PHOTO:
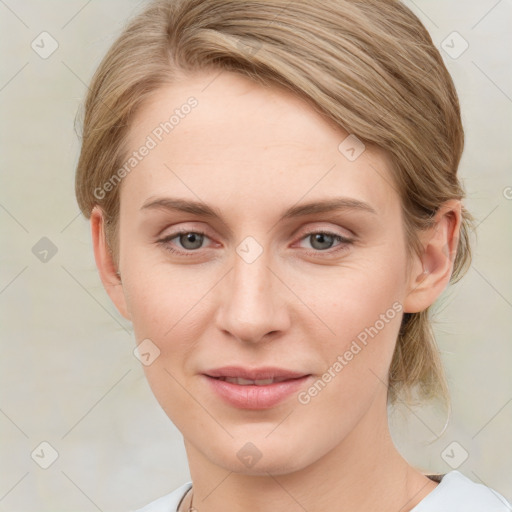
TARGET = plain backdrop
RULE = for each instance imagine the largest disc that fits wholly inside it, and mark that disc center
(69, 378)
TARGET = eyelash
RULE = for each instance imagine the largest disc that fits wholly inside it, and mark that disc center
(343, 245)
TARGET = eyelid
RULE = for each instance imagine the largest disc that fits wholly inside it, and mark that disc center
(301, 229)
(319, 227)
(325, 232)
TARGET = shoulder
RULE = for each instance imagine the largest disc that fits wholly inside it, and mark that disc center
(169, 502)
(458, 493)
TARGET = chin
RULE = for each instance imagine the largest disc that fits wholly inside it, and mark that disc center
(259, 458)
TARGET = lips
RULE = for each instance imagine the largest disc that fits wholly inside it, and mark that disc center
(255, 388)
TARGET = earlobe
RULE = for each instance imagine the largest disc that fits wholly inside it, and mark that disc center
(430, 273)
(107, 268)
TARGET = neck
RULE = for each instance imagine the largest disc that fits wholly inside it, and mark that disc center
(363, 472)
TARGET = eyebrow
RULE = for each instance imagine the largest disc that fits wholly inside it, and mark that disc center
(301, 210)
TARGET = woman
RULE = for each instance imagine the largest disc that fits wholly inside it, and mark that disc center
(274, 202)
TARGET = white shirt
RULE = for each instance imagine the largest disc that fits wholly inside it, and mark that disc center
(455, 493)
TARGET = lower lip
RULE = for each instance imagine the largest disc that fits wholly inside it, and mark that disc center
(256, 397)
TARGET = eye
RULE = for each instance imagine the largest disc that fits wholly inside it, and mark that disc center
(322, 241)
(188, 241)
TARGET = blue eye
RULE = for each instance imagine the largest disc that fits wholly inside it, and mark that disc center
(190, 241)
(191, 238)
(322, 241)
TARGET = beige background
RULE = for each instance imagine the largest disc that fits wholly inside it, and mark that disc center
(68, 375)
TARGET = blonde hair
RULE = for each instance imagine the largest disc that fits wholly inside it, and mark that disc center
(369, 66)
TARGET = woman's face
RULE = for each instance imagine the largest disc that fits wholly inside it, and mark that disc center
(252, 286)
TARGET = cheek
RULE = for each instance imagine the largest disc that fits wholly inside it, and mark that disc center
(358, 358)
(165, 310)
(171, 306)
(358, 311)
(346, 299)
(356, 369)
(157, 293)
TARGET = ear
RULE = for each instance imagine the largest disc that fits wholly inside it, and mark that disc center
(430, 273)
(105, 263)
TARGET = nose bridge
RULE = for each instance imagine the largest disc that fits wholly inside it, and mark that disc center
(252, 307)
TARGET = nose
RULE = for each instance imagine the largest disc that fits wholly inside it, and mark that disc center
(252, 302)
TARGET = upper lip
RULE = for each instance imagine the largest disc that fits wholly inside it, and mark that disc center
(267, 372)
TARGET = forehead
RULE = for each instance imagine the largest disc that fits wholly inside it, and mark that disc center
(241, 140)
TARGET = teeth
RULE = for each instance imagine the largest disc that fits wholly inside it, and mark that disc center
(247, 382)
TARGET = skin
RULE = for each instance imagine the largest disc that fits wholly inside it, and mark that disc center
(252, 152)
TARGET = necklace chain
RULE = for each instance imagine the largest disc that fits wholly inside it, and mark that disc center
(190, 507)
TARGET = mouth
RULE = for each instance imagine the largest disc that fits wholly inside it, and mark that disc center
(261, 388)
